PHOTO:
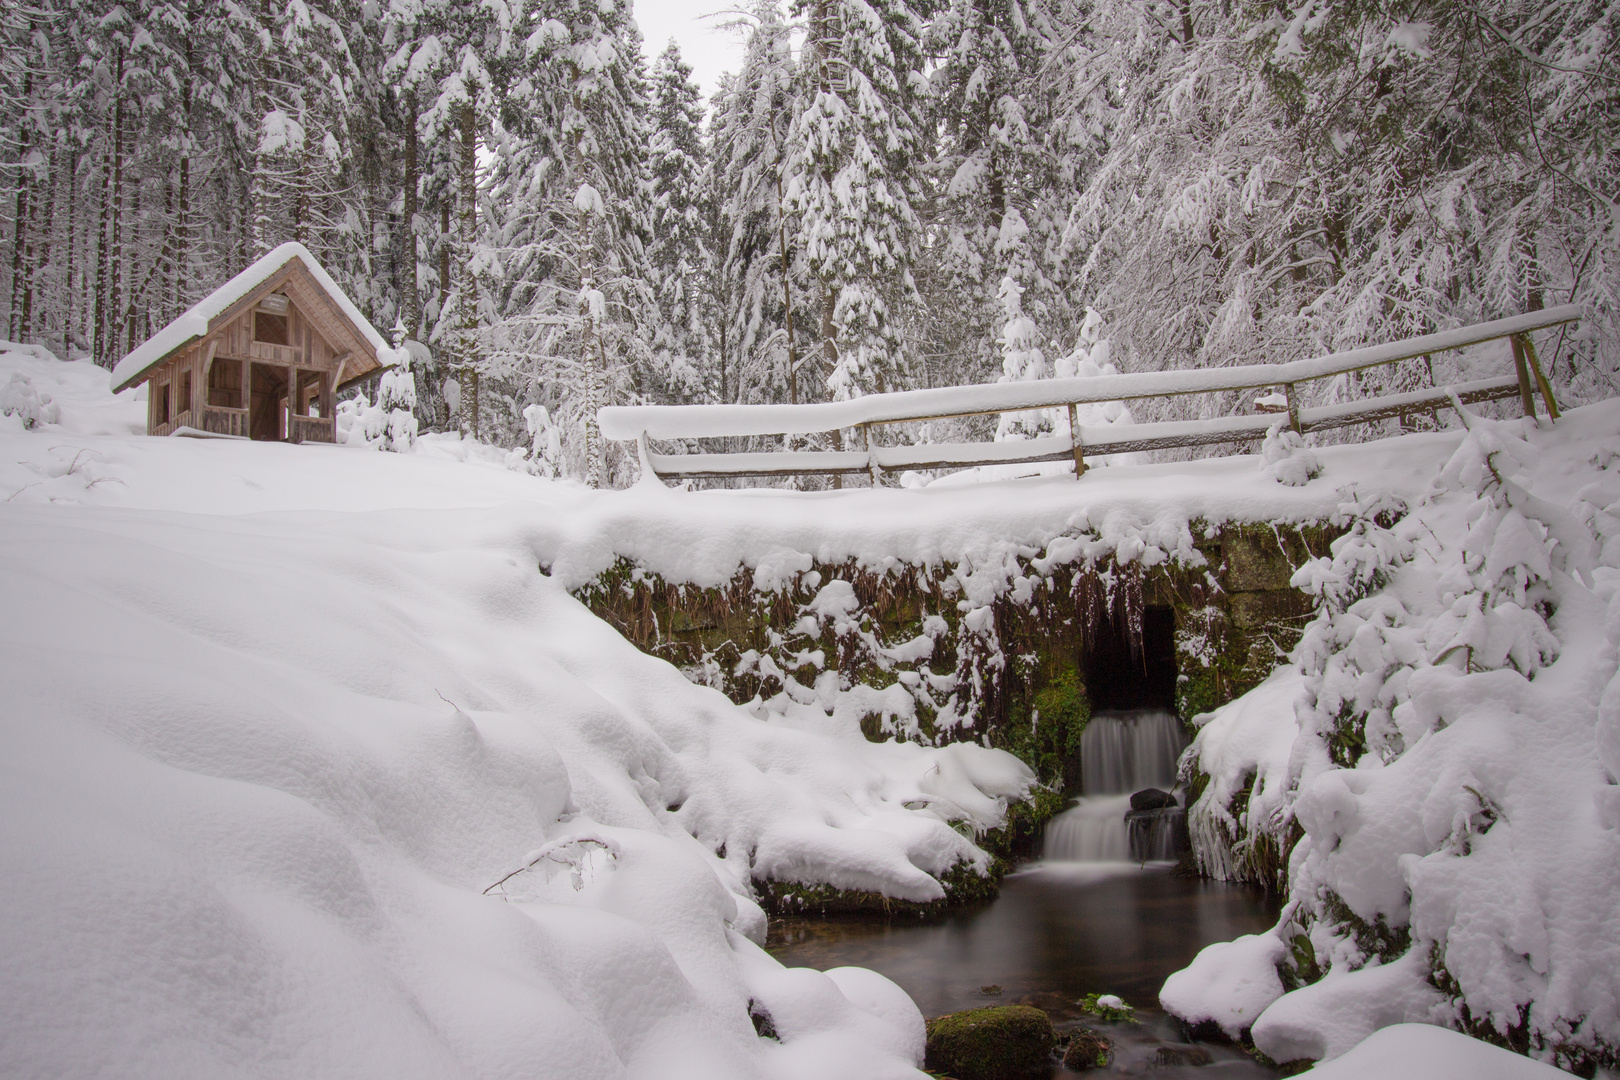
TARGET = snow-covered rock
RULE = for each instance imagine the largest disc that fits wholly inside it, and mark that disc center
(1229, 983)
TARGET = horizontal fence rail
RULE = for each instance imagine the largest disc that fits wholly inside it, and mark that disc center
(643, 422)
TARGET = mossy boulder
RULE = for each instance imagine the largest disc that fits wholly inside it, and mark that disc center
(1006, 1042)
(1086, 1050)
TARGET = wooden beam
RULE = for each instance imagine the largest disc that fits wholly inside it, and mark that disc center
(1121, 440)
(704, 421)
(326, 315)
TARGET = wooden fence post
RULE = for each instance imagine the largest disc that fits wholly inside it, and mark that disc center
(644, 452)
(1293, 408)
(1523, 370)
(1074, 441)
(872, 465)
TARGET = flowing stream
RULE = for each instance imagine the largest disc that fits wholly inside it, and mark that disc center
(1058, 931)
(1086, 919)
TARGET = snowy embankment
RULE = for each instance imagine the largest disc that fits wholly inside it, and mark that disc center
(278, 719)
(1446, 748)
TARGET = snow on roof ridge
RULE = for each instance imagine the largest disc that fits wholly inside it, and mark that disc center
(194, 323)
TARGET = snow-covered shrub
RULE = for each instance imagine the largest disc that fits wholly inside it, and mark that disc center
(1286, 459)
(1450, 769)
(544, 456)
(390, 422)
(1022, 360)
(20, 398)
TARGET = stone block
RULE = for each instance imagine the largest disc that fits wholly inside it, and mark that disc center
(1253, 564)
(1250, 610)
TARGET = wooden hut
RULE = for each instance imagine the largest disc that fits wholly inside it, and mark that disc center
(262, 357)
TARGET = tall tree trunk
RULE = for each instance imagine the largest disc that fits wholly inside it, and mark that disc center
(182, 221)
(70, 292)
(19, 229)
(301, 193)
(259, 189)
(593, 398)
(787, 296)
(98, 317)
(120, 275)
(413, 303)
(444, 251)
(132, 293)
(467, 297)
(165, 290)
(35, 263)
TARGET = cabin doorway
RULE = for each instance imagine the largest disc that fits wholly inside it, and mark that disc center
(267, 413)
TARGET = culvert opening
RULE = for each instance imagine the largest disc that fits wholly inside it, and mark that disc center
(1128, 752)
(1119, 678)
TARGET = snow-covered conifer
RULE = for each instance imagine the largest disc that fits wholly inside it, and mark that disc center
(678, 257)
(765, 329)
(852, 149)
(1000, 166)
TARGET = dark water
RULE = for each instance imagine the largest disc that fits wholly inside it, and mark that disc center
(1058, 931)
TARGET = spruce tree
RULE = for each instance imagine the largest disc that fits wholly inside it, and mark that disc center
(679, 256)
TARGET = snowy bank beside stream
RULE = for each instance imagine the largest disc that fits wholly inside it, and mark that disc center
(1446, 751)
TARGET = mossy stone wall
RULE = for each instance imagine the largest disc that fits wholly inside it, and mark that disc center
(1015, 676)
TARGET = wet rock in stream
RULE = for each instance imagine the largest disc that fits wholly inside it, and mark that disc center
(1086, 1050)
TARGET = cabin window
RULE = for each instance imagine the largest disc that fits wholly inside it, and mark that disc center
(225, 384)
(183, 402)
(162, 393)
(270, 329)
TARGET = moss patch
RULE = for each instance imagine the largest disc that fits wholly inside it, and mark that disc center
(1006, 1042)
(964, 886)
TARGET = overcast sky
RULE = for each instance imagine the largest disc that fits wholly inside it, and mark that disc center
(710, 51)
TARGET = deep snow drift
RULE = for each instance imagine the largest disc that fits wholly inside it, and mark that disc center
(277, 718)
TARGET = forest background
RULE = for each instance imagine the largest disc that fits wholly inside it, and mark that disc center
(886, 195)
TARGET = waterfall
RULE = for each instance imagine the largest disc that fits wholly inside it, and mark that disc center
(1126, 751)
(1120, 753)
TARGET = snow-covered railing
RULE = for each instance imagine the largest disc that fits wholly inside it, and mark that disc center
(641, 423)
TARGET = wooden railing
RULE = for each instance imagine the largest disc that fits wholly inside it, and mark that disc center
(312, 429)
(643, 423)
(218, 420)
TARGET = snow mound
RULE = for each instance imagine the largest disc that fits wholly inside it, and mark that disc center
(1425, 1052)
(1325, 1020)
(1229, 983)
(66, 397)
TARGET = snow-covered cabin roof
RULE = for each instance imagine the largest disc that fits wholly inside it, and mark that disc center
(196, 322)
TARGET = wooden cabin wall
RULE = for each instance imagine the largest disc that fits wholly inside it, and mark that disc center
(171, 380)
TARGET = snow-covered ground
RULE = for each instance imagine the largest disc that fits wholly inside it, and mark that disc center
(278, 719)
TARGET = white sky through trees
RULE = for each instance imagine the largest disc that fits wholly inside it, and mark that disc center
(697, 26)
